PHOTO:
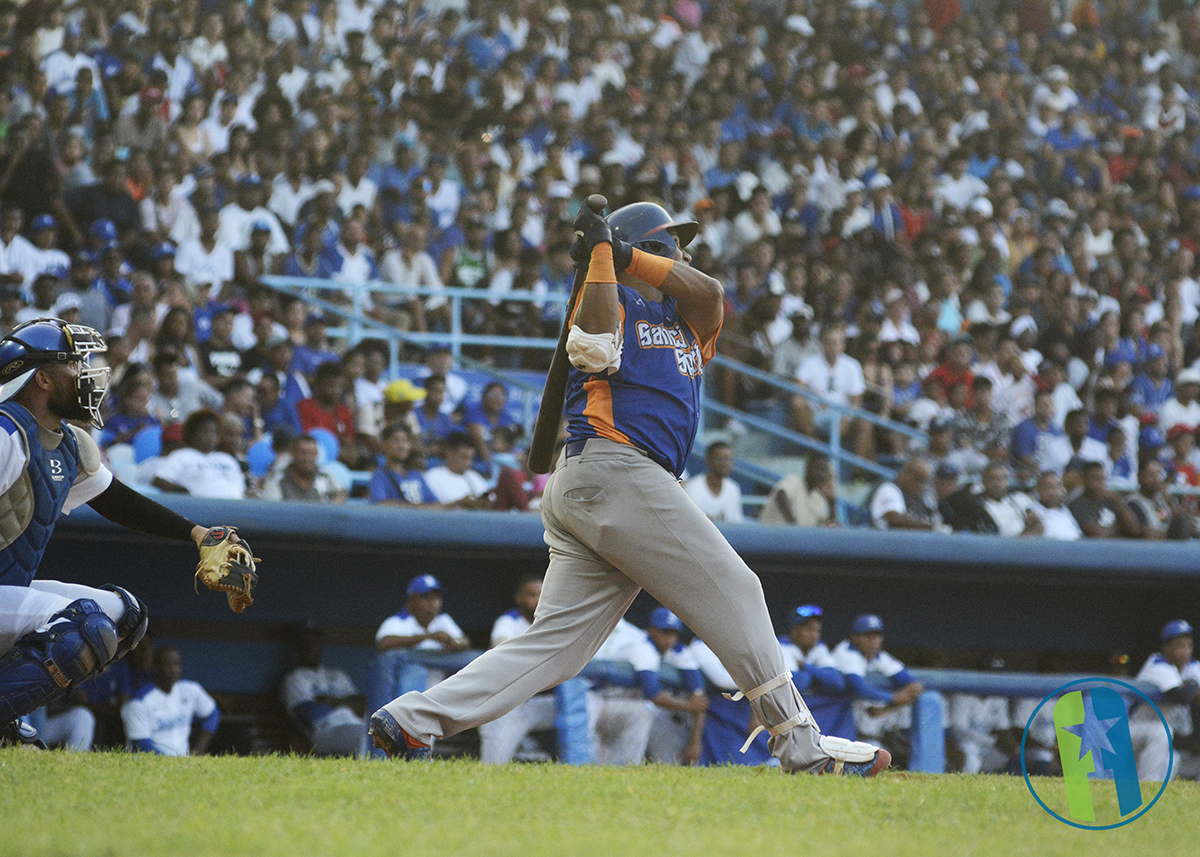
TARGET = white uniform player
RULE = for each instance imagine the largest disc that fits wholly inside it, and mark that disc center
(862, 654)
(500, 739)
(675, 734)
(621, 717)
(160, 716)
(1178, 677)
(319, 699)
(974, 722)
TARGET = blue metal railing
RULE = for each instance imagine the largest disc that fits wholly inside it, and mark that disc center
(357, 324)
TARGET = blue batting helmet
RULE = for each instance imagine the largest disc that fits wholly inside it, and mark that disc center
(665, 620)
(1176, 628)
(35, 344)
(645, 225)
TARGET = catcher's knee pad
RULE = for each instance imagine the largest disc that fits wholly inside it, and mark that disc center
(78, 642)
(132, 626)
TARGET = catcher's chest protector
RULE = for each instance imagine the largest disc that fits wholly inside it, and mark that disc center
(30, 508)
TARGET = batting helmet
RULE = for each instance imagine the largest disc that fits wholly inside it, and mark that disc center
(34, 344)
(645, 225)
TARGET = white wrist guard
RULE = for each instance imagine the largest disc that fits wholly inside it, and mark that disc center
(595, 352)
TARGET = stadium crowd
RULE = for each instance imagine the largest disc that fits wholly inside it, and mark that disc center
(980, 222)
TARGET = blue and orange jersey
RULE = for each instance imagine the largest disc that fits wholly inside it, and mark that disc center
(653, 401)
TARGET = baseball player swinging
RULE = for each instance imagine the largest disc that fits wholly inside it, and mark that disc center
(616, 518)
(53, 635)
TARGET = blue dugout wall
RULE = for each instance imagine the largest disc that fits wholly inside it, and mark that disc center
(346, 568)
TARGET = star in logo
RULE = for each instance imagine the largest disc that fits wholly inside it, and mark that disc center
(1093, 735)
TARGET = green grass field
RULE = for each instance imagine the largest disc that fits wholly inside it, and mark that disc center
(119, 804)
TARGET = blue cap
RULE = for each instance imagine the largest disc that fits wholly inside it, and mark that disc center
(43, 221)
(260, 226)
(867, 623)
(250, 180)
(803, 613)
(665, 620)
(1154, 350)
(1151, 438)
(103, 230)
(423, 584)
(162, 250)
(1176, 628)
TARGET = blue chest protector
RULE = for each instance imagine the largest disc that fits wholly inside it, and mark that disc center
(51, 474)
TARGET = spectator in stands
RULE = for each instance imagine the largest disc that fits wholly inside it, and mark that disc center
(1007, 513)
(1055, 452)
(163, 714)
(1182, 408)
(981, 429)
(323, 701)
(440, 361)
(394, 483)
(1049, 505)
(315, 349)
(421, 624)
(176, 393)
(717, 495)
(1154, 514)
(1152, 387)
(482, 418)
(132, 414)
(1181, 463)
(835, 376)
(436, 423)
(678, 728)
(1028, 434)
(455, 483)
(326, 410)
(862, 654)
(804, 501)
(199, 468)
(902, 504)
(1101, 514)
(1173, 671)
(303, 479)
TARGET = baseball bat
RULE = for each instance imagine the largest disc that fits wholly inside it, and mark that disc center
(545, 428)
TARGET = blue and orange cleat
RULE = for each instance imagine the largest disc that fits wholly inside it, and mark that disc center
(391, 738)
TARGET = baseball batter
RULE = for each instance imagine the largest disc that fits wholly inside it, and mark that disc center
(53, 636)
(618, 521)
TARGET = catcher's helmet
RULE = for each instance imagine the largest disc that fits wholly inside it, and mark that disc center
(645, 225)
(35, 344)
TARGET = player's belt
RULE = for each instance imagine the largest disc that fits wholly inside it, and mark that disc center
(575, 447)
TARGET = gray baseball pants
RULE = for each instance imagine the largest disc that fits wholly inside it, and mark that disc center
(617, 523)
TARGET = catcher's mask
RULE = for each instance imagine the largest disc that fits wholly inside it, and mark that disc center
(44, 341)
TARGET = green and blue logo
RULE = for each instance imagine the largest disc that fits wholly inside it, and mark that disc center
(1095, 747)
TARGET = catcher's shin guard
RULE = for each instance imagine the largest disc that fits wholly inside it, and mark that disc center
(132, 626)
(77, 642)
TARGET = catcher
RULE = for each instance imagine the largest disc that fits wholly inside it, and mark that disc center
(55, 635)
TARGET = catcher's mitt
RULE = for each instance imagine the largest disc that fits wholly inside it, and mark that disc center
(227, 566)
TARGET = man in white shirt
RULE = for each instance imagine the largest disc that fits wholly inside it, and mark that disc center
(1183, 408)
(323, 701)
(1051, 508)
(620, 716)
(421, 624)
(718, 496)
(863, 653)
(204, 261)
(455, 483)
(239, 218)
(161, 715)
(1177, 675)
(957, 188)
(500, 739)
(199, 468)
(1055, 452)
(834, 375)
(1009, 512)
